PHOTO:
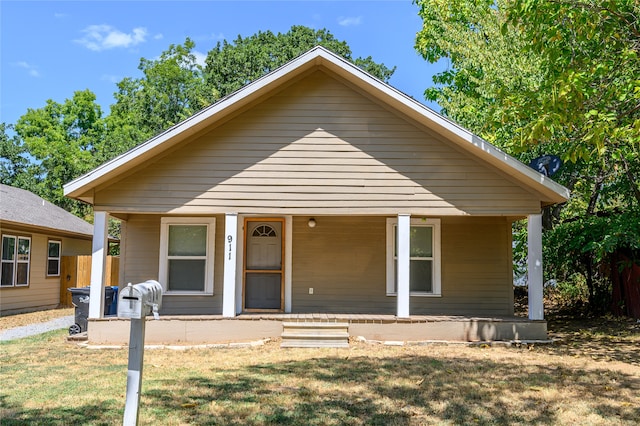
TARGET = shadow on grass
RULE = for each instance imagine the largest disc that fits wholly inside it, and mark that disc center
(394, 391)
(91, 414)
(600, 338)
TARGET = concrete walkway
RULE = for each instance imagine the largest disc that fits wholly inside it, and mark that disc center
(33, 329)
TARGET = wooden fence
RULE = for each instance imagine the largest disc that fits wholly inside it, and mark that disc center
(75, 271)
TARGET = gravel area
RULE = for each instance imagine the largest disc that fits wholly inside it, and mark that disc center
(39, 328)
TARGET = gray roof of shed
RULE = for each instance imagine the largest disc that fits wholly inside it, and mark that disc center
(25, 208)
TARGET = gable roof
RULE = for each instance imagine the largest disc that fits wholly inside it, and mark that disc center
(26, 209)
(319, 57)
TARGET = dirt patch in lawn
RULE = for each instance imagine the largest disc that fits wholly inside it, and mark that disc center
(589, 376)
(19, 320)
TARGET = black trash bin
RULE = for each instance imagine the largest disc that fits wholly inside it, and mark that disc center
(80, 300)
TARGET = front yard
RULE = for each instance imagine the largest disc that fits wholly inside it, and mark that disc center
(590, 376)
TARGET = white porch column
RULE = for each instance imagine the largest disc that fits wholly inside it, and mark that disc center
(229, 288)
(402, 272)
(98, 264)
(288, 262)
(534, 266)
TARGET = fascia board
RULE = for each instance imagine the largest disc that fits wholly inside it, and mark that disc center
(319, 56)
(452, 131)
(189, 126)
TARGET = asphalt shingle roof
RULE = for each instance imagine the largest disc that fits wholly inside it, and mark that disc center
(24, 207)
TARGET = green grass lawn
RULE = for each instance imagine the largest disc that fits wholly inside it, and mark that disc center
(591, 376)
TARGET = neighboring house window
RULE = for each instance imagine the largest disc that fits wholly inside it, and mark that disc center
(424, 249)
(16, 252)
(186, 255)
(53, 258)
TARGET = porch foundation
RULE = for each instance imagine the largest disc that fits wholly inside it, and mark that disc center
(210, 329)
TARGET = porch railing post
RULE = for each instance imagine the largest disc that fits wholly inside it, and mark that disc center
(403, 255)
(229, 290)
(534, 267)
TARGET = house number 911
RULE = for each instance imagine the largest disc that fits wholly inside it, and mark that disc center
(229, 239)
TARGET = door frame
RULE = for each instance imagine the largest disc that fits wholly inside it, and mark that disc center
(282, 270)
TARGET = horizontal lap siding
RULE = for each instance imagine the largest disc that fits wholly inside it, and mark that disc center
(43, 291)
(320, 147)
(142, 254)
(343, 260)
(477, 277)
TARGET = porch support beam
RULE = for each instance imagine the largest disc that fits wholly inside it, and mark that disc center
(534, 267)
(229, 286)
(100, 247)
(403, 256)
(288, 262)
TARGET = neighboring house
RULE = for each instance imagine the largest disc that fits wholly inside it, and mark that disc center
(320, 190)
(35, 236)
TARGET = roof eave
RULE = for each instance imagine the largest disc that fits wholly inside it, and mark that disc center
(319, 56)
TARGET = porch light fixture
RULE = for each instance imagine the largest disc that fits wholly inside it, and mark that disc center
(312, 223)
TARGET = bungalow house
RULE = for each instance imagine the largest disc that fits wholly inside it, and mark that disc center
(35, 236)
(319, 193)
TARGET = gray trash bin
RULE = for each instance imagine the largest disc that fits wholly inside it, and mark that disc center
(80, 300)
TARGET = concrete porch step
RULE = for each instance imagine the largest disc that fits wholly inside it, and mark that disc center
(315, 335)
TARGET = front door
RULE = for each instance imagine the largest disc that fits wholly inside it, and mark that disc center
(263, 266)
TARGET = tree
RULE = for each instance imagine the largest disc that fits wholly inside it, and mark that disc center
(171, 90)
(230, 66)
(59, 142)
(556, 77)
(63, 139)
(15, 167)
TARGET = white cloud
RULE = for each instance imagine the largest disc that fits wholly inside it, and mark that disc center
(200, 57)
(104, 37)
(31, 70)
(158, 36)
(349, 21)
(110, 78)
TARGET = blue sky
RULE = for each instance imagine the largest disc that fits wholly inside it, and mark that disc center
(49, 49)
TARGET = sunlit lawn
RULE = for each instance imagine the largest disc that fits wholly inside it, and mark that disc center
(589, 378)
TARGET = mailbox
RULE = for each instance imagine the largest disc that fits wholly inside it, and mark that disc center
(139, 300)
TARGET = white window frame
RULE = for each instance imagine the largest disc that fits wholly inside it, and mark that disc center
(56, 258)
(392, 224)
(17, 261)
(210, 223)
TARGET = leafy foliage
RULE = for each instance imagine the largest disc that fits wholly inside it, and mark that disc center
(171, 90)
(231, 66)
(64, 139)
(52, 145)
(558, 77)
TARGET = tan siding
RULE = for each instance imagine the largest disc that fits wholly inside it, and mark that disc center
(317, 147)
(43, 292)
(343, 260)
(142, 257)
(75, 247)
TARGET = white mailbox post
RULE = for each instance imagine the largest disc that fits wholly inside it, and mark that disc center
(136, 302)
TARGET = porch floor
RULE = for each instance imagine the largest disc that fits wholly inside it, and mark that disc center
(199, 329)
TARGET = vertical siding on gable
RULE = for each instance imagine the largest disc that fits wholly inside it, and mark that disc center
(317, 147)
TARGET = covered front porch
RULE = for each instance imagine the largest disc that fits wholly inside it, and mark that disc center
(212, 329)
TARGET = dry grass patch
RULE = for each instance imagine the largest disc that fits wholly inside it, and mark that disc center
(363, 385)
(19, 320)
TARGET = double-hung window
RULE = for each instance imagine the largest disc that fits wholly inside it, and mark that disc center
(186, 255)
(424, 260)
(16, 253)
(53, 258)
